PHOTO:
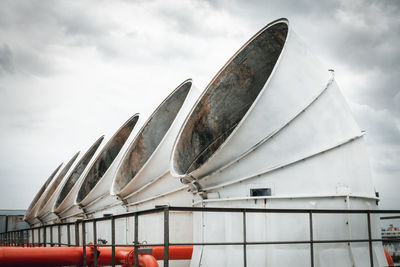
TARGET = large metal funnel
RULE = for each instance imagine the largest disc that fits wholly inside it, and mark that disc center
(143, 174)
(72, 179)
(65, 199)
(273, 130)
(49, 195)
(31, 211)
(96, 181)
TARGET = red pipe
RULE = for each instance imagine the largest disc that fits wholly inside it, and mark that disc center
(388, 257)
(43, 256)
(175, 252)
(126, 255)
(56, 256)
(147, 261)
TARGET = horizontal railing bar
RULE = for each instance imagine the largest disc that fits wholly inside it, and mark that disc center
(124, 245)
(214, 209)
(389, 217)
(257, 210)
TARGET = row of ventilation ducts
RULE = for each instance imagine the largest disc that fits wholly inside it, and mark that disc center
(271, 125)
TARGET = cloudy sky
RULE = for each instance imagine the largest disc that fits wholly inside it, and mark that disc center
(71, 71)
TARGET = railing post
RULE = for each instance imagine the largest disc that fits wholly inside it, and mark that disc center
(371, 258)
(84, 242)
(44, 236)
(33, 237)
(59, 235)
(95, 243)
(166, 236)
(136, 240)
(113, 240)
(244, 240)
(69, 235)
(77, 233)
(38, 236)
(310, 216)
(51, 236)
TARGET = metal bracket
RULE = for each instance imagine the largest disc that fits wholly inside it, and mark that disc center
(145, 250)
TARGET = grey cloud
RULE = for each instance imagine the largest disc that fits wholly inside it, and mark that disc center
(366, 34)
(6, 59)
(383, 138)
(37, 27)
(361, 36)
(382, 91)
(190, 18)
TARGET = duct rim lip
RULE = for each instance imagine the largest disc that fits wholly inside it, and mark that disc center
(96, 143)
(36, 199)
(99, 155)
(173, 166)
(69, 165)
(113, 189)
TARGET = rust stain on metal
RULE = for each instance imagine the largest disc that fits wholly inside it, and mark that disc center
(228, 98)
(151, 135)
(106, 158)
(78, 170)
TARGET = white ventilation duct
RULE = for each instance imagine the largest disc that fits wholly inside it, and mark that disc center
(94, 190)
(143, 179)
(51, 191)
(48, 215)
(69, 189)
(272, 130)
(32, 209)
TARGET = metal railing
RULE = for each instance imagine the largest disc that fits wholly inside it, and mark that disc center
(22, 237)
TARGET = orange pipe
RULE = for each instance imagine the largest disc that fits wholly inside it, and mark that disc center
(43, 256)
(121, 255)
(125, 255)
(147, 261)
(56, 256)
(175, 252)
(388, 257)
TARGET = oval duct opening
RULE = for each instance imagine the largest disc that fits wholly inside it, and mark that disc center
(42, 189)
(77, 172)
(227, 98)
(57, 181)
(151, 135)
(106, 158)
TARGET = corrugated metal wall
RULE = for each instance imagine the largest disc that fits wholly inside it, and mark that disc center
(12, 220)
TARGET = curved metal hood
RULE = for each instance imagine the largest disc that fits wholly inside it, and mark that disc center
(69, 184)
(36, 201)
(52, 191)
(272, 130)
(96, 181)
(68, 190)
(143, 173)
(271, 105)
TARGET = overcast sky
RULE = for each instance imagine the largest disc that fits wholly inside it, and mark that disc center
(71, 71)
